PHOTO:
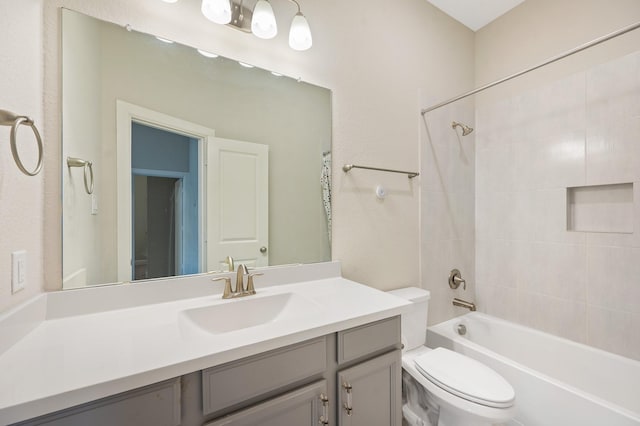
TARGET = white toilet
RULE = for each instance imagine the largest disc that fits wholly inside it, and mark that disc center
(442, 387)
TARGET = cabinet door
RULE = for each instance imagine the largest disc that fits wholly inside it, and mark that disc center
(307, 406)
(157, 405)
(370, 393)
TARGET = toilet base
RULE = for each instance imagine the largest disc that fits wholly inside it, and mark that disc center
(447, 418)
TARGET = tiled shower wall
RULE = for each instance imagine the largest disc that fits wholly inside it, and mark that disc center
(582, 130)
(447, 206)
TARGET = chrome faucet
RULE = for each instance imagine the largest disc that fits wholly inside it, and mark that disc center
(240, 289)
(464, 304)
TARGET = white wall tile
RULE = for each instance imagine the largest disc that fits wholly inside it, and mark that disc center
(553, 269)
(463, 215)
(614, 331)
(621, 240)
(614, 278)
(495, 169)
(551, 211)
(580, 130)
(494, 215)
(556, 316)
(435, 264)
(613, 123)
(437, 216)
(498, 301)
(496, 263)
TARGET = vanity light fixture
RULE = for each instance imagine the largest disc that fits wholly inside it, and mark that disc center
(261, 21)
(170, 1)
(218, 11)
(300, 33)
(246, 65)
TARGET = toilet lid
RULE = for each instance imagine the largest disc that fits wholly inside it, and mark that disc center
(465, 377)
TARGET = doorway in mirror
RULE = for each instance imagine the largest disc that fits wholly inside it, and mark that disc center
(166, 234)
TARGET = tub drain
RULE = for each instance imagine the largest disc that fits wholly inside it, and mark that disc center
(461, 329)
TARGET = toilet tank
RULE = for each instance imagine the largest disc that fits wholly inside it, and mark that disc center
(414, 322)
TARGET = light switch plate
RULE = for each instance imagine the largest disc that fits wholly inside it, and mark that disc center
(18, 270)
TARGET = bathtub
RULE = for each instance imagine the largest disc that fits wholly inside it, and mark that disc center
(557, 381)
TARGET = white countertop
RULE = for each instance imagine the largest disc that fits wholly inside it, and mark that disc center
(68, 360)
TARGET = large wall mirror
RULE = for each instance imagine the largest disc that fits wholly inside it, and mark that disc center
(174, 159)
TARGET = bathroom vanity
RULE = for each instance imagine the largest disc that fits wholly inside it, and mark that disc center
(324, 350)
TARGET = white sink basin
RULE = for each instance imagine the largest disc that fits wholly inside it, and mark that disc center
(251, 311)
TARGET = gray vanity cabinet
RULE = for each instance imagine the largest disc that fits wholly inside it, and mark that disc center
(307, 406)
(348, 378)
(157, 405)
(370, 393)
(369, 386)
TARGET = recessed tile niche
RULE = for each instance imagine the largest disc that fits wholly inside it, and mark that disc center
(600, 208)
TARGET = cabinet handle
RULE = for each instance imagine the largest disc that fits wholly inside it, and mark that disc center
(348, 406)
(324, 418)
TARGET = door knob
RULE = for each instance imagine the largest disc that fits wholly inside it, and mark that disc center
(263, 249)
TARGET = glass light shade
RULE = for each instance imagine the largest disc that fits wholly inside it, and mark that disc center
(218, 11)
(263, 22)
(169, 1)
(300, 33)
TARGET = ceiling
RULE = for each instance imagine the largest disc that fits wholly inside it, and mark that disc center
(475, 14)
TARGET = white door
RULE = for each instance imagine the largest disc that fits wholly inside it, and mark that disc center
(237, 194)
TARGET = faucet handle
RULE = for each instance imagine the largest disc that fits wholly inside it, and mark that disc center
(250, 288)
(455, 279)
(229, 261)
(227, 294)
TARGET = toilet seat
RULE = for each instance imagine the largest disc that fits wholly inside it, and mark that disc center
(465, 378)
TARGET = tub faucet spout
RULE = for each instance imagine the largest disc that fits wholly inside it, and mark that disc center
(464, 304)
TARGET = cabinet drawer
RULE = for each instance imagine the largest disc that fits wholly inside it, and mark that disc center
(244, 381)
(300, 407)
(157, 404)
(368, 339)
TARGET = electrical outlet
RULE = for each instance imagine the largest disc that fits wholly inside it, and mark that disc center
(18, 270)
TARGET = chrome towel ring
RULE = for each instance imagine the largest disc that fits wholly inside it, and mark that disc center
(88, 168)
(8, 118)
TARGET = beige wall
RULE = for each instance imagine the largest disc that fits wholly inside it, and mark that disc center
(21, 197)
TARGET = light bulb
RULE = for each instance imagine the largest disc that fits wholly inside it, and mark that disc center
(218, 11)
(300, 33)
(263, 22)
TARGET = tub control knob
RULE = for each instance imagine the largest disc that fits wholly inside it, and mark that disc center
(455, 279)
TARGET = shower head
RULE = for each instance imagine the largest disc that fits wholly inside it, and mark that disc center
(465, 129)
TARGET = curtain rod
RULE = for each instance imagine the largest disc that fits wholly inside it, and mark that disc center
(535, 67)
